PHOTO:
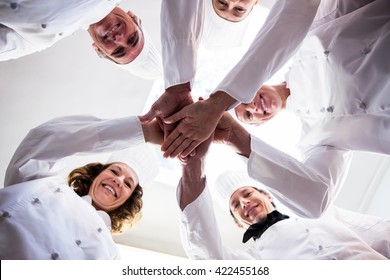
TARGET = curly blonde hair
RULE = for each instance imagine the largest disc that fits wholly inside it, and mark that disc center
(122, 218)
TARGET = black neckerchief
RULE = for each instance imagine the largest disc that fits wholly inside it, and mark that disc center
(256, 230)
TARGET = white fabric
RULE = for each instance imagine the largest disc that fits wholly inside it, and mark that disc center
(34, 25)
(228, 182)
(40, 216)
(181, 23)
(141, 159)
(220, 34)
(181, 36)
(294, 238)
(148, 64)
(350, 112)
(45, 219)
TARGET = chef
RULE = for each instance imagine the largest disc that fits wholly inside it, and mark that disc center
(276, 235)
(337, 27)
(42, 217)
(30, 26)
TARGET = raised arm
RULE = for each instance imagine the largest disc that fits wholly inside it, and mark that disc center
(282, 33)
(74, 135)
(307, 187)
(181, 26)
(199, 228)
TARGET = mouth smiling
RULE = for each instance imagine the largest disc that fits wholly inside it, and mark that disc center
(111, 189)
(262, 105)
(250, 210)
(111, 31)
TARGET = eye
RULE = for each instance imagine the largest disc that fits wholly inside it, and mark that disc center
(115, 172)
(222, 3)
(247, 194)
(240, 10)
(119, 52)
(248, 116)
(128, 184)
(132, 39)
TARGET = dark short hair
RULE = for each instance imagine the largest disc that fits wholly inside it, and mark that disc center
(126, 215)
(260, 191)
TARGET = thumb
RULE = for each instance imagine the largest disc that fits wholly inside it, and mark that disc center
(175, 117)
(149, 116)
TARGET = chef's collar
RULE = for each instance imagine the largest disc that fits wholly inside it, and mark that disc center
(219, 33)
(106, 218)
(148, 64)
(256, 230)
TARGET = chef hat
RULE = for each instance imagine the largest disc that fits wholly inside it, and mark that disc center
(229, 181)
(148, 64)
(141, 159)
(219, 33)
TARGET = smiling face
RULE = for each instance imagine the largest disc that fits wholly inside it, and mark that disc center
(113, 186)
(266, 104)
(249, 206)
(118, 36)
(233, 10)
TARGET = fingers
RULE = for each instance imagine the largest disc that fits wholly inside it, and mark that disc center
(190, 149)
(175, 117)
(171, 139)
(178, 147)
(149, 116)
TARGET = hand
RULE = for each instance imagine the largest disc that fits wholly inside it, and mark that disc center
(201, 152)
(153, 131)
(224, 130)
(231, 133)
(197, 122)
(171, 101)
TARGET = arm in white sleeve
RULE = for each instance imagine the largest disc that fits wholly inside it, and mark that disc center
(307, 187)
(66, 136)
(181, 26)
(199, 231)
(281, 35)
(12, 45)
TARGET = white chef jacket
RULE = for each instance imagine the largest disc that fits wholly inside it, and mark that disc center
(291, 239)
(182, 32)
(28, 26)
(41, 217)
(340, 106)
(288, 21)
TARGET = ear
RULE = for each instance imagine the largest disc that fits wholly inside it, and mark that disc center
(239, 225)
(97, 50)
(268, 195)
(134, 17)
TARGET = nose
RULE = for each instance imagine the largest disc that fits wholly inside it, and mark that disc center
(118, 181)
(119, 39)
(252, 107)
(244, 203)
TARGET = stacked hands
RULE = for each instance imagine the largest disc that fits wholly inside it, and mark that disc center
(186, 124)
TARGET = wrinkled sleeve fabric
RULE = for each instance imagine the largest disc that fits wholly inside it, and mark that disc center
(279, 38)
(181, 28)
(68, 136)
(375, 231)
(13, 46)
(307, 187)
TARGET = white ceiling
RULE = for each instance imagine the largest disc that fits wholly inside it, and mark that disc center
(68, 78)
